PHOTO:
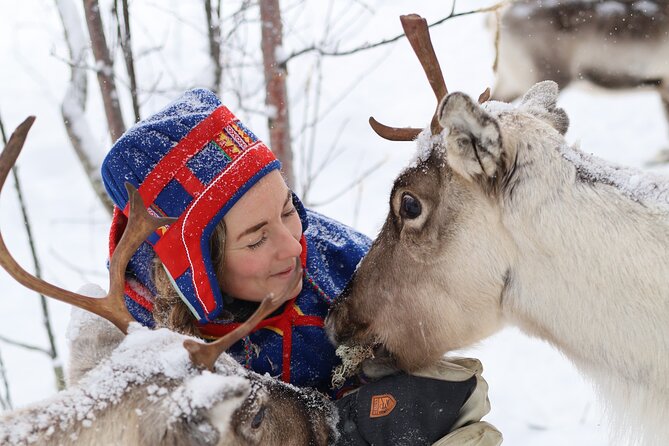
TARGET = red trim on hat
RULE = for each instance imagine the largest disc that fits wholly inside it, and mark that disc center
(119, 222)
(189, 181)
(180, 247)
(138, 298)
(177, 157)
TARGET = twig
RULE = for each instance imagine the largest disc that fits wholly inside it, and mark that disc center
(498, 32)
(351, 185)
(369, 46)
(25, 346)
(7, 400)
(214, 36)
(126, 46)
(73, 106)
(105, 69)
(277, 91)
(46, 317)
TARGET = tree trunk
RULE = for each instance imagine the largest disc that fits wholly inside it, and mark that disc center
(104, 69)
(74, 102)
(214, 35)
(126, 46)
(275, 86)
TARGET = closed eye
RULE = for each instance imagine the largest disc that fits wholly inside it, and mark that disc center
(292, 211)
(259, 243)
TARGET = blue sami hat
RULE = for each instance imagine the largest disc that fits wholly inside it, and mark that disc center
(193, 160)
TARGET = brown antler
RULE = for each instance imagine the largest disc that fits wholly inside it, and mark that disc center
(112, 307)
(416, 30)
(418, 34)
(205, 355)
(140, 225)
(485, 96)
(393, 133)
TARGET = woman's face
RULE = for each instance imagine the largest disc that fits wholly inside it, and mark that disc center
(262, 243)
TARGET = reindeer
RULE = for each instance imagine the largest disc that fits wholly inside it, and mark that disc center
(156, 387)
(499, 221)
(614, 44)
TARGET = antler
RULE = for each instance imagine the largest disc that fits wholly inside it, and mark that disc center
(112, 307)
(140, 225)
(205, 355)
(417, 32)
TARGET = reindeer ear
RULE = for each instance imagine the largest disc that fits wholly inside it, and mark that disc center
(541, 101)
(472, 137)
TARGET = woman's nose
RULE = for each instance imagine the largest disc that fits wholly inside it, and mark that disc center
(289, 246)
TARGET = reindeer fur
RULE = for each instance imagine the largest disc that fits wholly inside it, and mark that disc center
(614, 44)
(517, 227)
(142, 389)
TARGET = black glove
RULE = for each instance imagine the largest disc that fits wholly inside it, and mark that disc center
(402, 410)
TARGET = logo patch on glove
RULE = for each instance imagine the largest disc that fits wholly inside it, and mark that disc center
(382, 405)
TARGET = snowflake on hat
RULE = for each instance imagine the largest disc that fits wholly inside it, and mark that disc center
(193, 160)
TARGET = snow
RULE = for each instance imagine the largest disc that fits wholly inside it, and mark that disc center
(640, 186)
(537, 396)
(142, 356)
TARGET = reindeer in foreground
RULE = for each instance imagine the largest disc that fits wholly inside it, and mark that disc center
(612, 43)
(156, 387)
(501, 221)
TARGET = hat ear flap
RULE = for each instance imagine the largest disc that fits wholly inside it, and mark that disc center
(301, 211)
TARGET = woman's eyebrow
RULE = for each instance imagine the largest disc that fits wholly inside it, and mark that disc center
(257, 227)
(252, 229)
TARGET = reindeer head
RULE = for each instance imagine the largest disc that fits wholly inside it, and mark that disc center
(435, 277)
(256, 411)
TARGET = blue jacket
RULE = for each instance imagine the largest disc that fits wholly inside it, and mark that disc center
(295, 332)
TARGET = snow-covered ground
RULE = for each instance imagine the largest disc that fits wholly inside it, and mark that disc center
(537, 396)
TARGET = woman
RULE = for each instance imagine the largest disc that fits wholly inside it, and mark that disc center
(240, 235)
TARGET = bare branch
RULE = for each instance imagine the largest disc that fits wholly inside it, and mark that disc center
(74, 102)
(498, 26)
(355, 182)
(126, 46)
(46, 317)
(7, 400)
(275, 80)
(24, 345)
(214, 35)
(369, 46)
(105, 69)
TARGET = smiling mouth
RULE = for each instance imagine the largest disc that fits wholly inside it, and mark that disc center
(292, 277)
(285, 273)
(288, 272)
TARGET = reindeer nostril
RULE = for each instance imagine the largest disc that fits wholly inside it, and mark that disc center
(410, 207)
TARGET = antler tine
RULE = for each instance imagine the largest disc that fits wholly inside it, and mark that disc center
(205, 355)
(485, 96)
(416, 29)
(418, 33)
(112, 306)
(394, 133)
(140, 225)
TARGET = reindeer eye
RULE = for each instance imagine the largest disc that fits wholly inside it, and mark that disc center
(410, 207)
(258, 419)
